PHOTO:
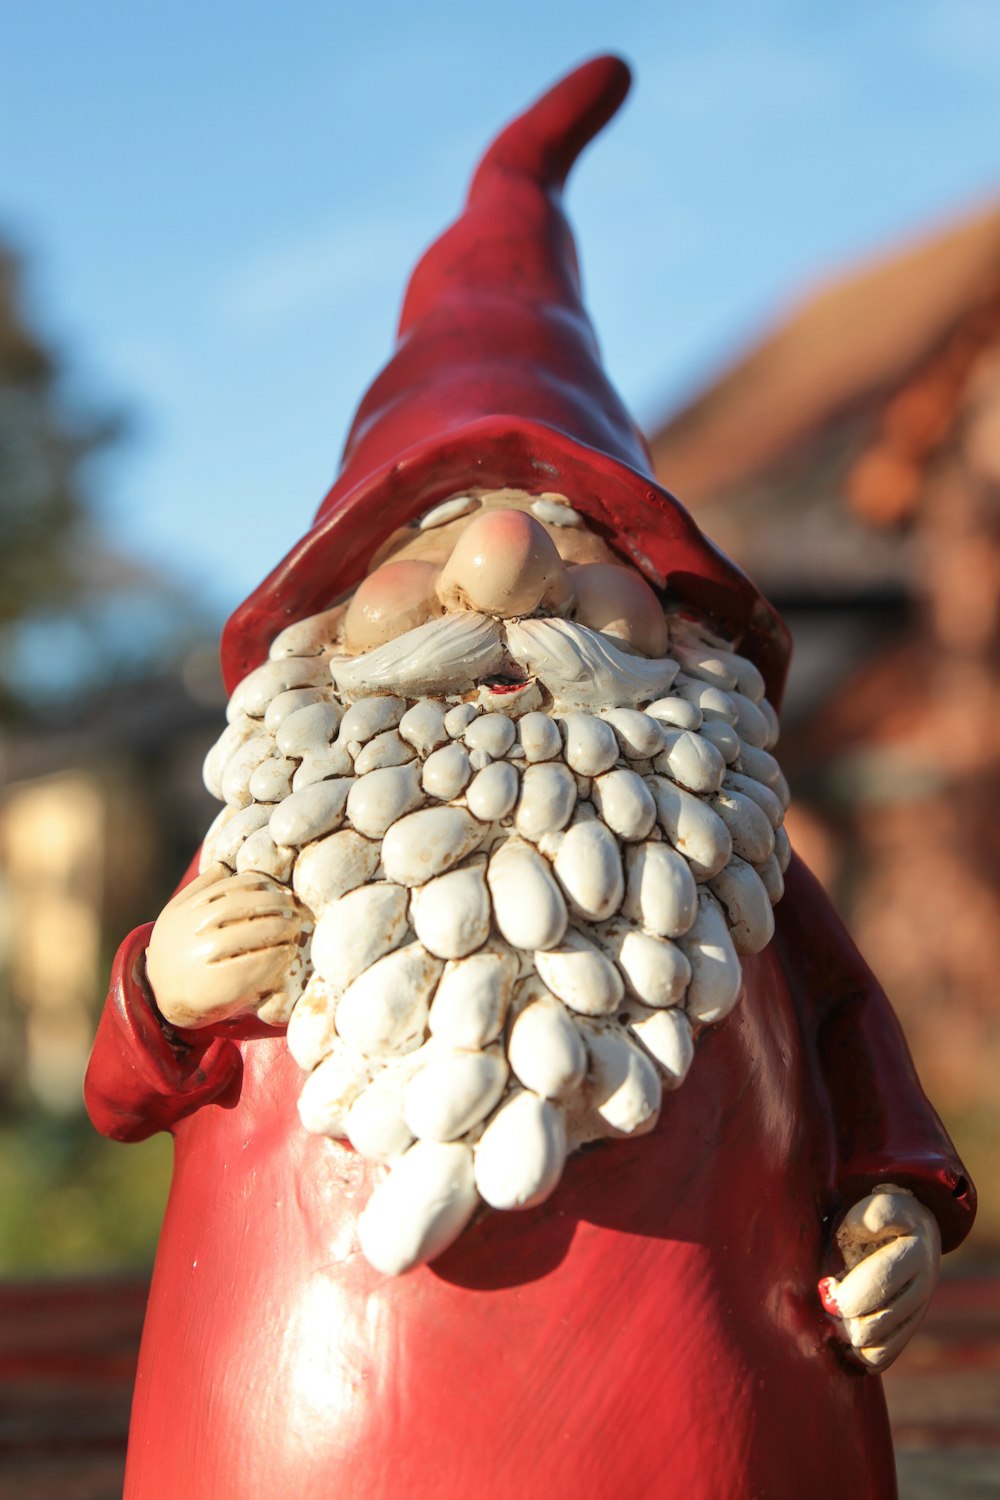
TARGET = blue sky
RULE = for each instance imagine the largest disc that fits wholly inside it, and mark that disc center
(220, 204)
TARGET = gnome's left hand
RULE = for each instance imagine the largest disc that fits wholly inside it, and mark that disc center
(891, 1246)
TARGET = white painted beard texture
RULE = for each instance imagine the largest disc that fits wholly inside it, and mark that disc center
(522, 918)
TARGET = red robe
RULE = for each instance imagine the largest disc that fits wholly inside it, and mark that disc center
(652, 1330)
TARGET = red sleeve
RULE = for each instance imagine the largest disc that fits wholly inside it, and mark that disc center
(143, 1075)
(882, 1123)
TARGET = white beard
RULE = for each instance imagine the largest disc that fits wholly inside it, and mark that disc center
(522, 920)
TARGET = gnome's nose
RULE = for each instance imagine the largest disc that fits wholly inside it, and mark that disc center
(504, 564)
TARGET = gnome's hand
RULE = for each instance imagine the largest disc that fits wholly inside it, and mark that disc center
(891, 1246)
(228, 945)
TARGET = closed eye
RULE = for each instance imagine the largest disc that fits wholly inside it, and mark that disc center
(448, 510)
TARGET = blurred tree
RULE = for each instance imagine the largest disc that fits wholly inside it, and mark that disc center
(74, 614)
(43, 521)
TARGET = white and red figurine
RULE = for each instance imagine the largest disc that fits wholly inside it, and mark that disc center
(539, 1129)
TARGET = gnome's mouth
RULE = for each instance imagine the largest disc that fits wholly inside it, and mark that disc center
(503, 683)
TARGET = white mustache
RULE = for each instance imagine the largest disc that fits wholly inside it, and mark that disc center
(452, 654)
(585, 669)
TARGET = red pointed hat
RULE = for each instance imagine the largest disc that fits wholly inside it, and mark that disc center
(496, 380)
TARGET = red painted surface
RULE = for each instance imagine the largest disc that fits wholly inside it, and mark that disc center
(496, 380)
(653, 1329)
(68, 1353)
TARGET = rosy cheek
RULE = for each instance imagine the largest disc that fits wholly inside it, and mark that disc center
(392, 600)
(618, 600)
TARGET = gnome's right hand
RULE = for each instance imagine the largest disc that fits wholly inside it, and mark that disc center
(227, 945)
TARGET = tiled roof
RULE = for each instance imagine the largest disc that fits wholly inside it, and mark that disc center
(834, 358)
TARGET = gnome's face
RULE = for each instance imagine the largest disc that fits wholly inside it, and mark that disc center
(509, 597)
(533, 821)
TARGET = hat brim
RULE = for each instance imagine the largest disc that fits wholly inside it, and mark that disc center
(639, 519)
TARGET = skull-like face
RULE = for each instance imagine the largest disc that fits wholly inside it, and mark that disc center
(535, 819)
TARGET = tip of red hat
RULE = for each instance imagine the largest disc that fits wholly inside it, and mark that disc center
(547, 138)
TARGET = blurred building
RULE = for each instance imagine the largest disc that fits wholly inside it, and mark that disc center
(851, 464)
(99, 816)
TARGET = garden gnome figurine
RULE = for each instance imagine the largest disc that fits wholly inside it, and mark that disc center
(539, 1130)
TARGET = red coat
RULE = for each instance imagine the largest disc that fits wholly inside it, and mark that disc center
(652, 1330)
